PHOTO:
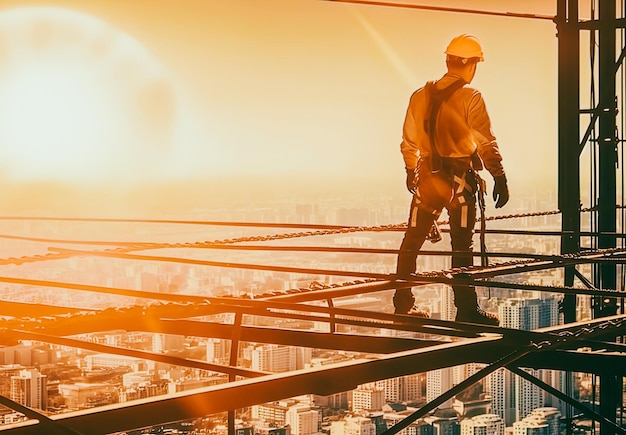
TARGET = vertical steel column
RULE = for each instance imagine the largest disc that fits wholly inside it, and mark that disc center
(568, 138)
(610, 398)
(610, 385)
(607, 152)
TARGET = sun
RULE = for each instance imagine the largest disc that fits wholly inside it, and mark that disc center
(79, 100)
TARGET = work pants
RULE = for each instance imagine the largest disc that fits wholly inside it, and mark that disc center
(454, 188)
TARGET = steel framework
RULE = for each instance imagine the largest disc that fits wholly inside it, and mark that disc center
(382, 345)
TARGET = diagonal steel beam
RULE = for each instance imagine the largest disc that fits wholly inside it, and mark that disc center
(564, 397)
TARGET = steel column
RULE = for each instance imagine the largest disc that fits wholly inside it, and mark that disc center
(568, 137)
(607, 153)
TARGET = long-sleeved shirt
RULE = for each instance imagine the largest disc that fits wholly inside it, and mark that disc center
(462, 127)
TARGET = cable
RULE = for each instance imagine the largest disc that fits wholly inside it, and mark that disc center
(446, 9)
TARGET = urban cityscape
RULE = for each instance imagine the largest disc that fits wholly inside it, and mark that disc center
(56, 379)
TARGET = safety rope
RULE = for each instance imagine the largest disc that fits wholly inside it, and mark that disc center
(325, 230)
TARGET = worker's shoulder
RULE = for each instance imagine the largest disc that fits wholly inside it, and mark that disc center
(469, 94)
(418, 93)
(468, 90)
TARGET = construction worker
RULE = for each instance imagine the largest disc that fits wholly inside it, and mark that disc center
(446, 139)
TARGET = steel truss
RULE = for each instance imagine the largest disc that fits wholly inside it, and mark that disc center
(439, 343)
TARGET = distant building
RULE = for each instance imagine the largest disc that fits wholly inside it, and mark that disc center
(413, 387)
(244, 431)
(408, 388)
(437, 383)
(272, 414)
(513, 398)
(133, 379)
(471, 408)
(164, 342)
(302, 419)
(368, 399)
(485, 424)
(541, 421)
(529, 314)
(444, 425)
(217, 350)
(531, 428)
(6, 373)
(422, 426)
(18, 354)
(83, 395)
(29, 389)
(278, 358)
(353, 426)
(334, 401)
(266, 430)
(108, 360)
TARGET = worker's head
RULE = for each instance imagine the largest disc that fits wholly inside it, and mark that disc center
(462, 55)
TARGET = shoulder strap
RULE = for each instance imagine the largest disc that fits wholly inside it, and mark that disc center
(435, 98)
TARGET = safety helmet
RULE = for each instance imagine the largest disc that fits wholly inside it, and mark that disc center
(466, 47)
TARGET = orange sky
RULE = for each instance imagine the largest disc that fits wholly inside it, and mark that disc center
(101, 91)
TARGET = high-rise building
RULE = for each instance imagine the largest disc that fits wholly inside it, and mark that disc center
(29, 388)
(217, 350)
(513, 398)
(274, 414)
(279, 358)
(448, 309)
(302, 419)
(562, 381)
(368, 399)
(529, 314)
(499, 385)
(6, 373)
(526, 395)
(437, 383)
(413, 387)
(392, 387)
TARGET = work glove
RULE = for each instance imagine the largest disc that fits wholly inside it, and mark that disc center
(500, 191)
(411, 179)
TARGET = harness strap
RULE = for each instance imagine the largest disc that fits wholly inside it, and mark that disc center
(436, 98)
(482, 187)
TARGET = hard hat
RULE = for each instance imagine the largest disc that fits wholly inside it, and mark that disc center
(465, 46)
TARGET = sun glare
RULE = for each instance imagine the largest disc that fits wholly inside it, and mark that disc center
(54, 118)
(79, 100)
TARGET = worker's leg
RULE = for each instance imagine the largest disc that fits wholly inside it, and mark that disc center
(426, 207)
(462, 213)
(418, 228)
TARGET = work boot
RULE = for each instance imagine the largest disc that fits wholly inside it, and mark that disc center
(477, 315)
(418, 312)
(403, 301)
(467, 309)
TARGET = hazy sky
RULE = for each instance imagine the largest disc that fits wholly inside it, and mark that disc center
(103, 91)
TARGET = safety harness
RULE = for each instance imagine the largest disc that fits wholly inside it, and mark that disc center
(436, 98)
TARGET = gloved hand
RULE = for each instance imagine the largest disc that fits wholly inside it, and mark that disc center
(500, 191)
(411, 179)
